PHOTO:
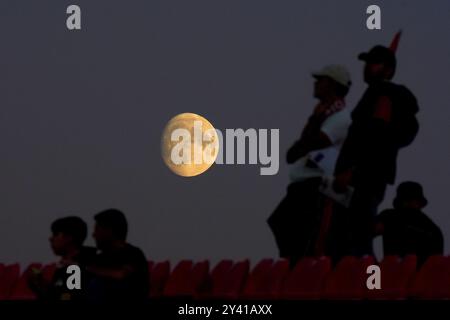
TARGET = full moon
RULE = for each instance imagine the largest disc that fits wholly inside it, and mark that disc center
(202, 138)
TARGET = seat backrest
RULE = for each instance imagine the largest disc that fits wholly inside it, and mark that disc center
(348, 280)
(235, 280)
(218, 278)
(221, 270)
(433, 279)
(307, 279)
(21, 290)
(277, 276)
(269, 287)
(8, 280)
(258, 280)
(397, 272)
(178, 282)
(199, 279)
(158, 278)
(396, 276)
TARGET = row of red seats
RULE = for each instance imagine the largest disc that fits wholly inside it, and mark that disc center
(310, 279)
(14, 285)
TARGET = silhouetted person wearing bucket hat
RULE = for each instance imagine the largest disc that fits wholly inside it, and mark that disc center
(383, 122)
(406, 229)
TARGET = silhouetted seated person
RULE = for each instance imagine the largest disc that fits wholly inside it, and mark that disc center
(406, 229)
(120, 270)
(68, 236)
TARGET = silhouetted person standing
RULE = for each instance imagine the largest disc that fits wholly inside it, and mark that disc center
(406, 229)
(66, 241)
(120, 270)
(382, 123)
(295, 220)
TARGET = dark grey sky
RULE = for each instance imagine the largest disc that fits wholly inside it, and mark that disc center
(82, 112)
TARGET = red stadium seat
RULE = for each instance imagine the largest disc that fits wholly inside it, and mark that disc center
(217, 279)
(21, 290)
(8, 280)
(2, 269)
(266, 283)
(178, 281)
(188, 282)
(199, 279)
(258, 281)
(312, 278)
(307, 279)
(219, 275)
(348, 280)
(433, 279)
(235, 280)
(396, 277)
(158, 278)
(278, 275)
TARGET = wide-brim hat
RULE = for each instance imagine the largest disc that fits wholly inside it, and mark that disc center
(410, 190)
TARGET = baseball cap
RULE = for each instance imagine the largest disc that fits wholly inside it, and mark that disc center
(336, 72)
(379, 54)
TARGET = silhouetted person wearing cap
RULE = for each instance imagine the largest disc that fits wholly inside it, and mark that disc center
(383, 122)
(120, 270)
(295, 220)
(66, 241)
(406, 229)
